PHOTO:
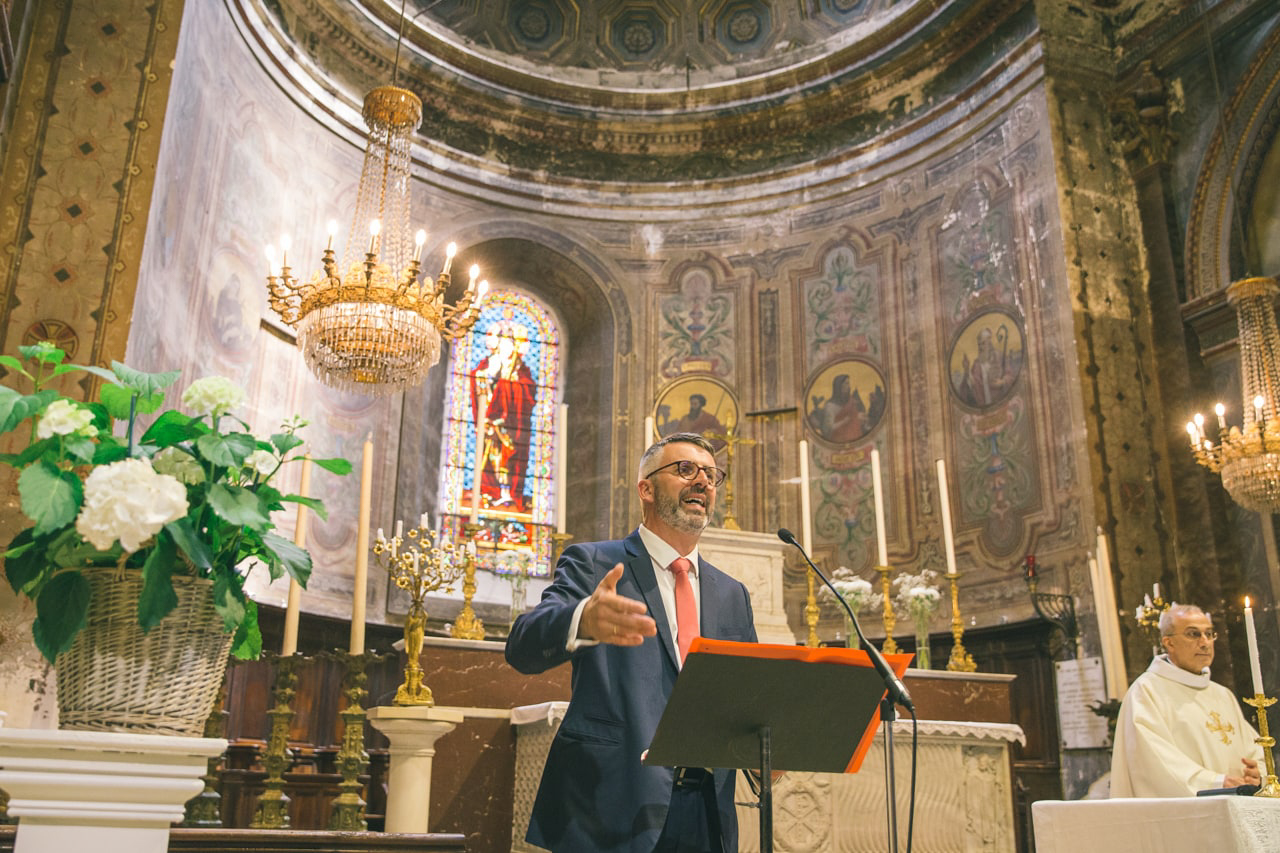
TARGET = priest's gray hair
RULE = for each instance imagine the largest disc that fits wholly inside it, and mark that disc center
(1174, 610)
(646, 461)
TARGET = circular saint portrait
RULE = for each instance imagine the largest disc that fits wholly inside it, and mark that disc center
(845, 400)
(699, 405)
(986, 359)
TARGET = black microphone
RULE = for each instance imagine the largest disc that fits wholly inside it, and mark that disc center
(897, 690)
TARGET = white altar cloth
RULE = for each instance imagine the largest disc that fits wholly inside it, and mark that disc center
(1221, 824)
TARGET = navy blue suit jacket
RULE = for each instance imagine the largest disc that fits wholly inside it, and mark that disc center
(595, 795)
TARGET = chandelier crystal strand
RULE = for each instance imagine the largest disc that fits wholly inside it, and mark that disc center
(367, 323)
(1248, 458)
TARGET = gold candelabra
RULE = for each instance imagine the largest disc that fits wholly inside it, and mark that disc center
(890, 620)
(348, 806)
(417, 561)
(205, 808)
(731, 440)
(468, 626)
(960, 660)
(1270, 785)
(1248, 457)
(810, 610)
(272, 811)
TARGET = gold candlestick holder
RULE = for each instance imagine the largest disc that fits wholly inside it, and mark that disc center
(559, 541)
(811, 611)
(348, 806)
(418, 562)
(888, 617)
(468, 626)
(272, 810)
(1270, 785)
(960, 660)
(205, 808)
(731, 440)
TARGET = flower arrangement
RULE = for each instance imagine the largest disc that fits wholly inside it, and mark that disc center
(918, 596)
(191, 496)
(856, 592)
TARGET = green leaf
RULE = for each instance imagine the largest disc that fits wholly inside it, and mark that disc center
(109, 450)
(173, 427)
(88, 368)
(226, 451)
(60, 613)
(229, 600)
(314, 504)
(116, 399)
(247, 644)
(285, 441)
(339, 466)
(238, 506)
(16, 408)
(80, 448)
(157, 598)
(145, 384)
(292, 558)
(44, 352)
(191, 543)
(13, 364)
(25, 562)
(51, 498)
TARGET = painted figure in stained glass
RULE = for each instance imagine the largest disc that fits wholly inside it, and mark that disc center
(503, 393)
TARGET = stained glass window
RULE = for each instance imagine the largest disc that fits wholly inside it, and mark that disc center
(505, 380)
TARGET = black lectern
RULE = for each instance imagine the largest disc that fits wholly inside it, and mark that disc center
(770, 707)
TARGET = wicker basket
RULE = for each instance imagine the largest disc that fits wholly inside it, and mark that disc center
(115, 678)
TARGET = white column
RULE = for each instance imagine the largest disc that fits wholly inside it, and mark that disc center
(413, 731)
(99, 791)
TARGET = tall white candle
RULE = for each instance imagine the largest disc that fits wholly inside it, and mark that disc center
(1255, 667)
(945, 499)
(806, 525)
(292, 610)
(479, 466)
(877, 494)
(562, 467)
(1155, 590)
(648, 432)
(359, 591)
(1109, 622)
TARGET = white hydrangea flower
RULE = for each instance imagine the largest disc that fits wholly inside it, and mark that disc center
(129, 501)
(179, 464)
(261, 461)
(63, 417)
(213, 396)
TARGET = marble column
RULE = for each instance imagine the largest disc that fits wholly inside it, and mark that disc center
(413, 731)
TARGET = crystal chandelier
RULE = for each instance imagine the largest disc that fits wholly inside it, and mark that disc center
(1248, 457)
(370, 325)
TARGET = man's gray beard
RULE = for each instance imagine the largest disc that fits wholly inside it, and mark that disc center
(674, 515)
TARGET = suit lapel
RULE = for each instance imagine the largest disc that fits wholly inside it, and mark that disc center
(641, 566)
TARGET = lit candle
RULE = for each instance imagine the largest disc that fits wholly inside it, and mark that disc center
(945, 500)
(1191, 433)
(449, 252)
(333, 232)
(359, 592)
(1155, 591)
(1199, 422)
(1258, 403)
(375, 228)
(1221, 411)
(418, 240)
(648, 432)
(882, 548)
(482, 289)
(474, 272)
(806, 526)
(424, 521)
(285, 245)
(562, 468)
(291, 612)
(1252, 633)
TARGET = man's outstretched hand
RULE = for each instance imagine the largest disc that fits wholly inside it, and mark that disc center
(609, 617)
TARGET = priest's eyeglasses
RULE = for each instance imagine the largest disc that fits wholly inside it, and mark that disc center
(687, 470)
(1195, 635)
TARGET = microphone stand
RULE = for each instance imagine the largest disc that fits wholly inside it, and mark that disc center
(896, 691)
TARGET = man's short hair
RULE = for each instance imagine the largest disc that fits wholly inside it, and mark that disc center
(646, 460)
(702, 401)
(1174, 610)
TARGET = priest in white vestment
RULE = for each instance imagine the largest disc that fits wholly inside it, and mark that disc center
(1178, 731)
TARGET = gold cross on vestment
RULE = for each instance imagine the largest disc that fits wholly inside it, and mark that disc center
(1217, 726)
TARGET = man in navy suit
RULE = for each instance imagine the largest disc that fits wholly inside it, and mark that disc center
(612, 611)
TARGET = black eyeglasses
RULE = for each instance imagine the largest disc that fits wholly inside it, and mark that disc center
(689, 471)
(1195, 634)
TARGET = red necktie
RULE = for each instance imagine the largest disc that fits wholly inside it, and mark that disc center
(686, 607)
